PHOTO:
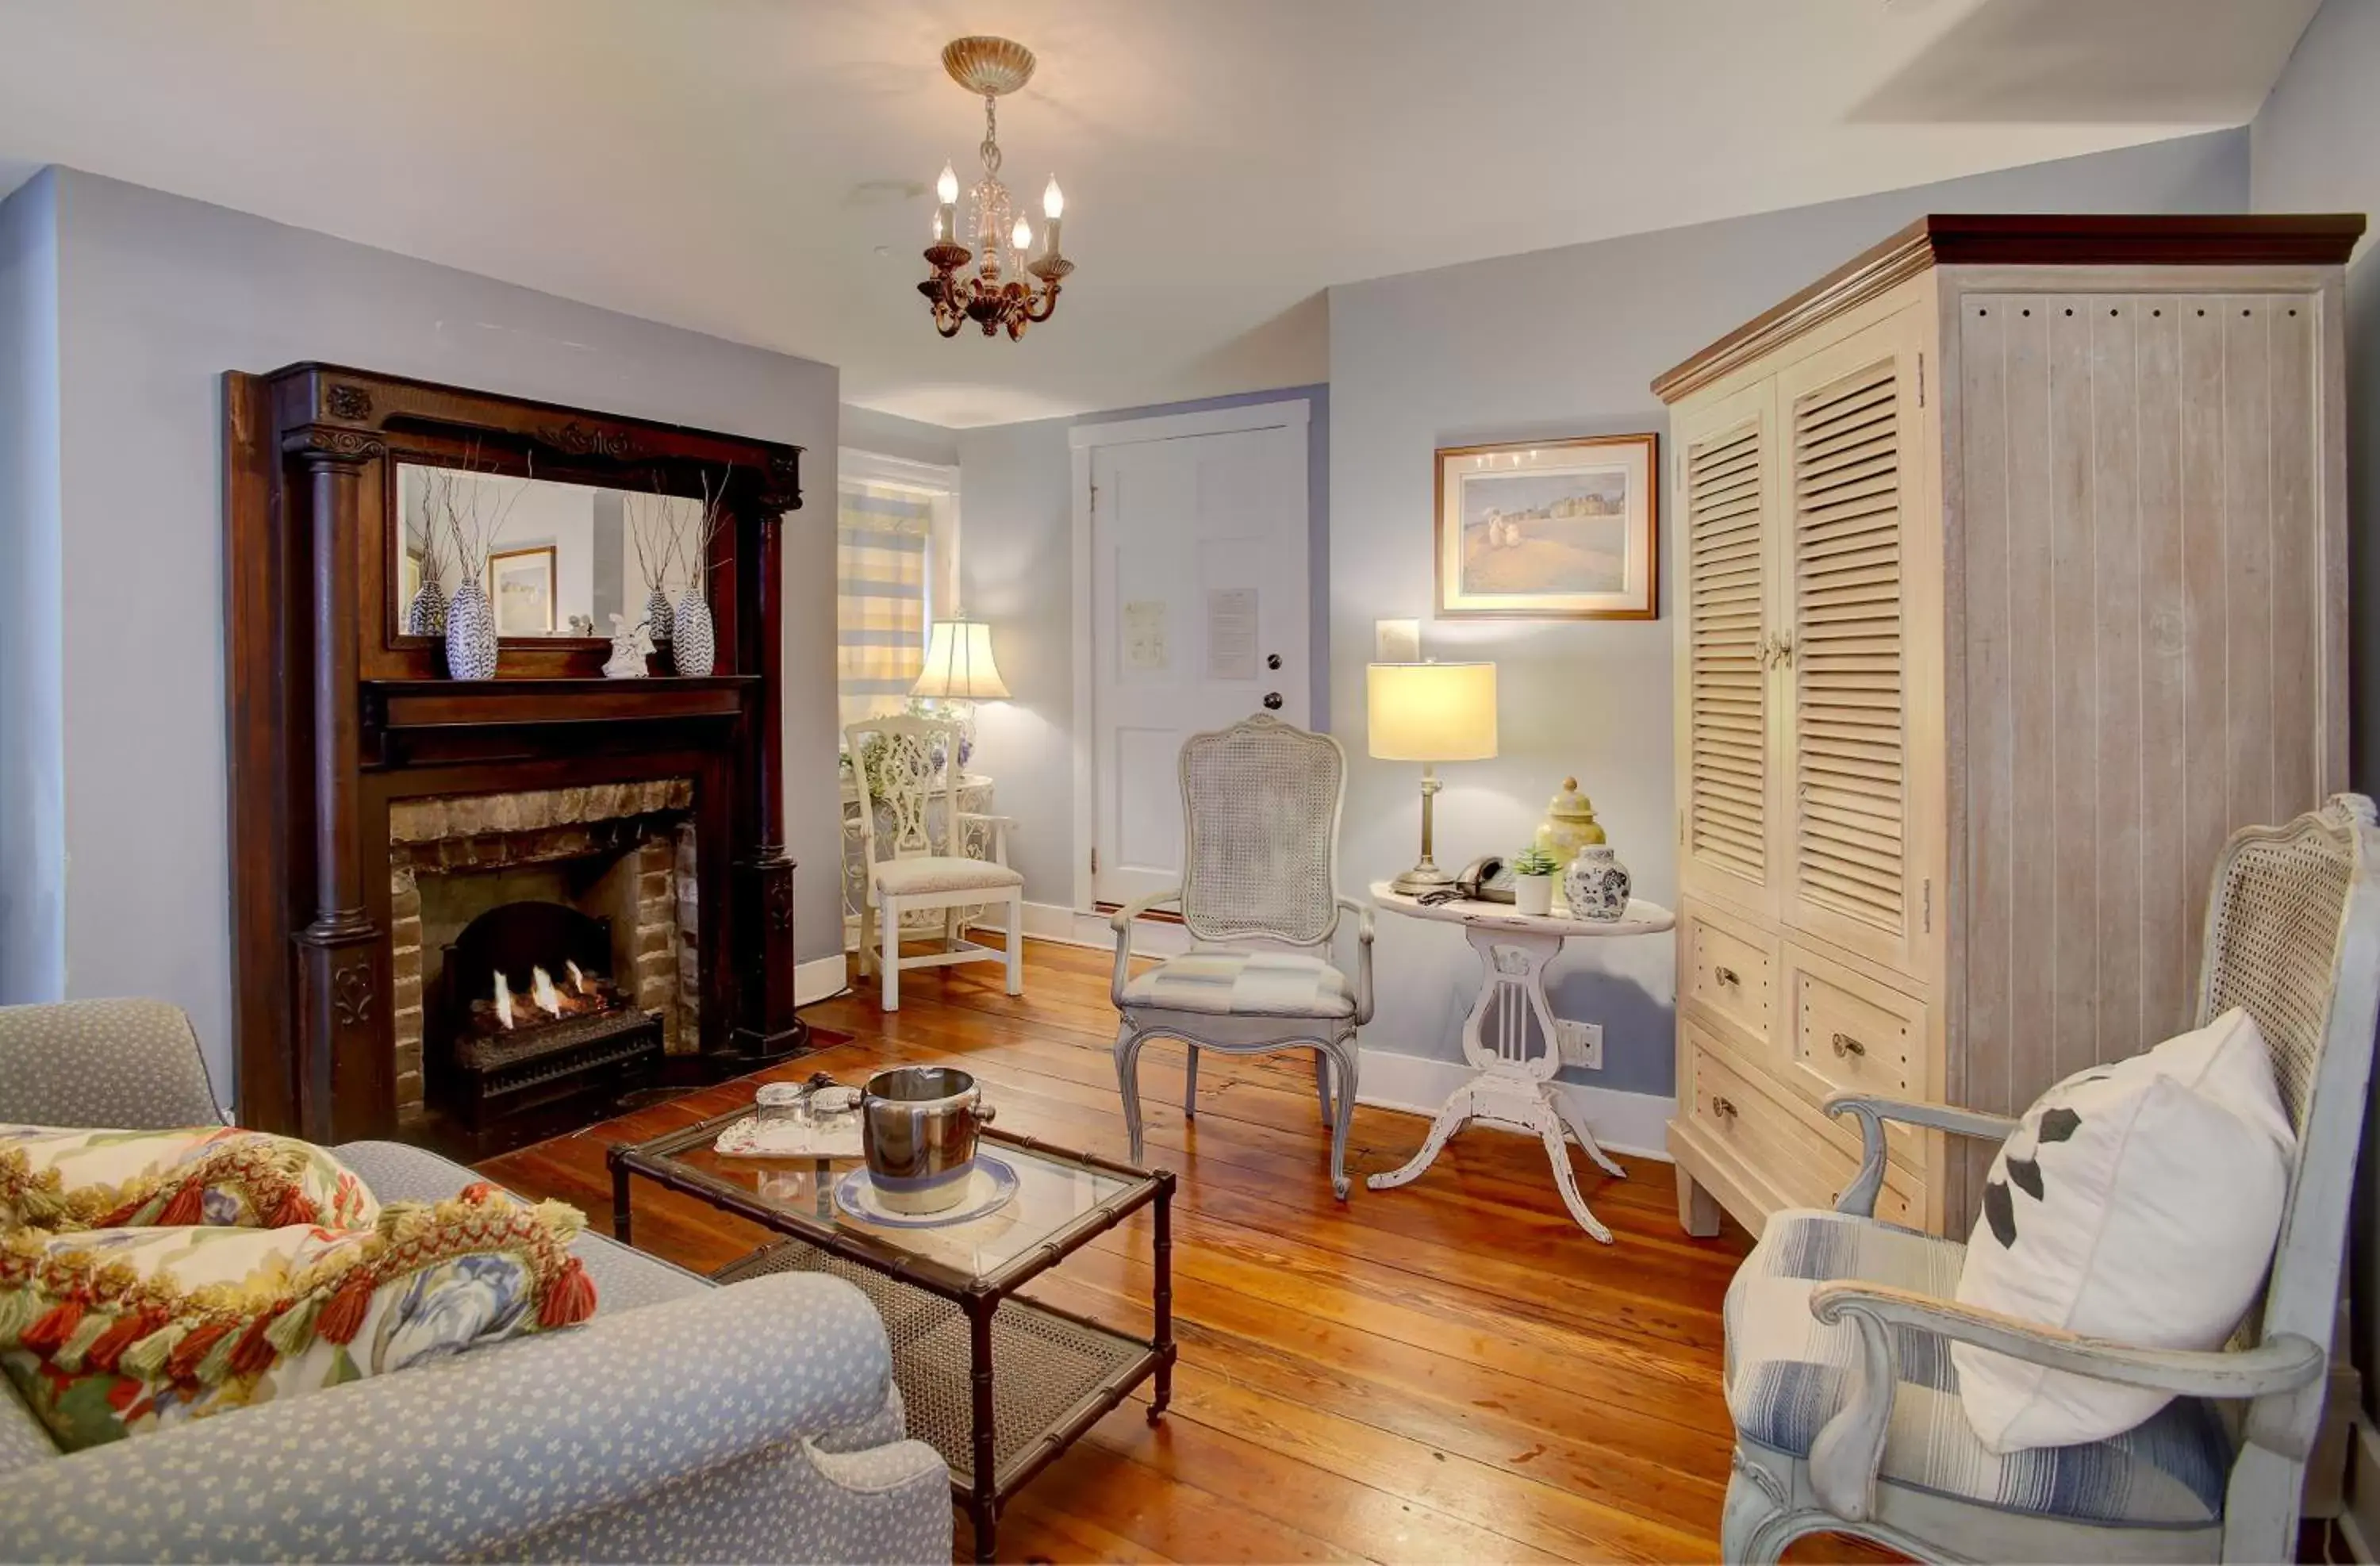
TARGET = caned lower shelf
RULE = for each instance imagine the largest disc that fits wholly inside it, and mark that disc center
(1048, 1369)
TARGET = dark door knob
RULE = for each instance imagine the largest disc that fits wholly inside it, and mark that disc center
(1272, 701)
(1272, 659)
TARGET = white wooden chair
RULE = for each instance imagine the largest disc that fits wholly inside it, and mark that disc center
(1849, 1422)
(904, 768)
(1260, 806)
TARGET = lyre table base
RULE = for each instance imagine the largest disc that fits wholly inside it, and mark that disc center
(1509, 1037)
(1522, 1103)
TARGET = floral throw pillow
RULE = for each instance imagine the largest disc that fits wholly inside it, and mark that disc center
(113, 1332)
(58, 1179)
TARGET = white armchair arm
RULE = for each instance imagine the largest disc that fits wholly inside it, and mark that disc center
(999, 825)
(1848, 1449)
(1859, 1196)
(1363, 912)
(1121, 925)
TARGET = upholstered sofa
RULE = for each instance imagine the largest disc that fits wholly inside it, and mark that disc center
(757, 1422)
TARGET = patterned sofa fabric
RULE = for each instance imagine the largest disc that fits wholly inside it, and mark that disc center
(685, 1422)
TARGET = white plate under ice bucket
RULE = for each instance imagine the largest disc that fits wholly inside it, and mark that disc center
(989, 1188)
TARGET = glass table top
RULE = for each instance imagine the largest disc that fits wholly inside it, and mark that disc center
(1053, 1190)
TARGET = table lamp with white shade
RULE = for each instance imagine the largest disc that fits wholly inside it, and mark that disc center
(959, 672)
(1430, 712)
(958, 664)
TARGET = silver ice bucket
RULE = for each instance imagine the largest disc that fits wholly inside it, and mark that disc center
(918, 1126)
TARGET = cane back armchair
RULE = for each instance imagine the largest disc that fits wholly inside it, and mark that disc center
(1260, 805)
(1849, 1422)
(906, 772)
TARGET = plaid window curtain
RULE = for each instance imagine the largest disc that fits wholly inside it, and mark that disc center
(881, 538)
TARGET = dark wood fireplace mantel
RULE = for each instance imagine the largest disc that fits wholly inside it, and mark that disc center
(334, 713)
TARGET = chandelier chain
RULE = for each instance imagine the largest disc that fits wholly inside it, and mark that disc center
(991, 148)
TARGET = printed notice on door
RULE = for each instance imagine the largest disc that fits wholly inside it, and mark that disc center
(1230, 633)
(1144, 634)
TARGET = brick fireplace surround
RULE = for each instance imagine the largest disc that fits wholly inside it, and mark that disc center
(461, 856)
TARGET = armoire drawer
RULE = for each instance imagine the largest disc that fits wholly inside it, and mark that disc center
(1850, 1034)
(1782, 1144)
(1730, 966)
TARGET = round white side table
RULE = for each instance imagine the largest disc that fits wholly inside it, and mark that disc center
(1513, 1060)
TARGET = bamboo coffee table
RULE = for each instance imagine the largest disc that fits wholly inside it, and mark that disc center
(999, 1385)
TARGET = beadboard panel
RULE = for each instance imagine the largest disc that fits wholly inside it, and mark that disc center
(2145, 596)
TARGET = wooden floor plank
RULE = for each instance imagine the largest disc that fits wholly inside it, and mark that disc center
(1449, 1371)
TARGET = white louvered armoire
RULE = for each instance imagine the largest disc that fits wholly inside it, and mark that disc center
(2012, 574)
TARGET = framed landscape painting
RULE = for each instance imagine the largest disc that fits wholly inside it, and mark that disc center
(1549, 529)
(522, 580)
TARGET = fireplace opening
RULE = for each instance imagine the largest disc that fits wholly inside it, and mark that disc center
(533, 1031)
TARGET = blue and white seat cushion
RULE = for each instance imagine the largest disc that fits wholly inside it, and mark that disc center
(1787, 1375)
(1261, 984)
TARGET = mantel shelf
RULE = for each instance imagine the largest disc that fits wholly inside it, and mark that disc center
(421, 704)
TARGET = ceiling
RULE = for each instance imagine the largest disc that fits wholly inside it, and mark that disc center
(759, 168)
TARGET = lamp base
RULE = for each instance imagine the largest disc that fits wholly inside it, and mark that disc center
(1424, 877)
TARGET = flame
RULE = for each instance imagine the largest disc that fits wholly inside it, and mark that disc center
(578, 979)
(541, 991)
(503, 1000)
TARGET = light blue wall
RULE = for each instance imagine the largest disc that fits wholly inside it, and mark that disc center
(161, 296)
(1566, 342)
(32, 785)
(1017, 570)
(889, 434)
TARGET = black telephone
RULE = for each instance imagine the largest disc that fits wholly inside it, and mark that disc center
(1485, 881)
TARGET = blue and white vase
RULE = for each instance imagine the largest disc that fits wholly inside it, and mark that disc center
(426, 616)
(1595, 884)
(470, 633)
(694, 644)
(659, 619)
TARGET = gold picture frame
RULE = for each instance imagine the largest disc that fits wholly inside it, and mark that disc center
(521, 588)
(1567, 529)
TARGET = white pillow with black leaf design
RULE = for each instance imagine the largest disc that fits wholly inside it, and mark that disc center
(2139, 1202)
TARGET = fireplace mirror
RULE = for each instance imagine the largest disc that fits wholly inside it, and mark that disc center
(557, 560)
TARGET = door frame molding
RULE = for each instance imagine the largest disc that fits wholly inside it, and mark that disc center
(1283, 413)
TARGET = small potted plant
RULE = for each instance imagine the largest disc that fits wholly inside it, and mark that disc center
(1532, 881)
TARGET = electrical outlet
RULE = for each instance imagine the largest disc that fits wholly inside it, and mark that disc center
(1581, 1043)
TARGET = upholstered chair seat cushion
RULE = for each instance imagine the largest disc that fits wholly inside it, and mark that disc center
(1787, 1375)
(1262, 984)
(942, 872)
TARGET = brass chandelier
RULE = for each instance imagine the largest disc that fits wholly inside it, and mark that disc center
(995, 294)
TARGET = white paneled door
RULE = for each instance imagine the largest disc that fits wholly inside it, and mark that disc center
(1192, 536)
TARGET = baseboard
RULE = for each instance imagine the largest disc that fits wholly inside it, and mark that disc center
(1634, 1123)
(818, 978)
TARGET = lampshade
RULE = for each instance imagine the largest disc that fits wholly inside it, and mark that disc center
(958, 663)
(1432, 711)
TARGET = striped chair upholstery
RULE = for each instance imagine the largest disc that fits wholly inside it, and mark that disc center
(1247, 984)
(1787, 1375)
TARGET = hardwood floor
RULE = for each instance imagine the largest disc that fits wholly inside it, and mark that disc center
(1453, 1371)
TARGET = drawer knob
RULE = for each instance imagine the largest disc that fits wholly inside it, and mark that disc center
(1722, 1106)
(1725, 975)
(1846, 1045)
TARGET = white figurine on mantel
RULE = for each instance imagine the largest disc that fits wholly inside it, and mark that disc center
(629, 646)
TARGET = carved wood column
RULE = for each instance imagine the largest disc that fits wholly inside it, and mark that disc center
(766, 1024)
(342, 1010)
